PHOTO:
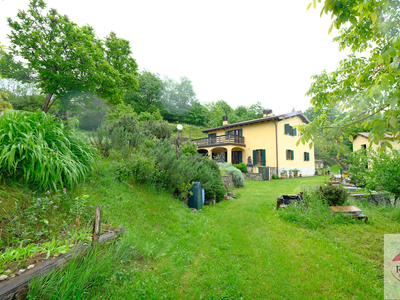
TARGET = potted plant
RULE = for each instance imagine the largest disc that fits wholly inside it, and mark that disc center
(290, 174)
(282, 173)
(296, 172)
(299, 174)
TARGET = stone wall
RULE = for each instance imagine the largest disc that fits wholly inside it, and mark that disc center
(228, 181)
(253, 176)
(375, 198)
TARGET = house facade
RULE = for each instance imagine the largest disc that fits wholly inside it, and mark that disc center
(360, 141)
(268, 141)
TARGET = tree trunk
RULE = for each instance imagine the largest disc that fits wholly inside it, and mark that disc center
(46, 103)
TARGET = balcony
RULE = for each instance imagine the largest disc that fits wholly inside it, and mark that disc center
(227, 139)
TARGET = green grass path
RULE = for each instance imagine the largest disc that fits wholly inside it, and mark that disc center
(239, 249)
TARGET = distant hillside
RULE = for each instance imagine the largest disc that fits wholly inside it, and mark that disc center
(192, 131)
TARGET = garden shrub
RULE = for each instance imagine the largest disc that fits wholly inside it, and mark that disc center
(242, 167)
(237, 175)
(334, 195)
(177, 174)
(312, 212)
(189, 148)
(137, 168)
(274, 176)
(39, 149)
(158, 128)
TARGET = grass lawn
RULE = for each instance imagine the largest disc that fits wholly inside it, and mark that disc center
(335, 170)
(237, 249)
(192, 131)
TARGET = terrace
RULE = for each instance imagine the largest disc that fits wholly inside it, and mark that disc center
(227, 139)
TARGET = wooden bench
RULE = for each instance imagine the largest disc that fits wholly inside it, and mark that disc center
(350, 211)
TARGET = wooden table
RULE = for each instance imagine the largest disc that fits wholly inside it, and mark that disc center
(351, 211)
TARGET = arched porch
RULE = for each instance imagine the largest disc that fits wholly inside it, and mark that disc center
(233, 154)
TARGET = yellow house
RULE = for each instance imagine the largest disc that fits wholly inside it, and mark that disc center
(360, 141)
(268, 141)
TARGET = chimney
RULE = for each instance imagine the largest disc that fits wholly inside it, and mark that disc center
(267, 113)
(225, 120)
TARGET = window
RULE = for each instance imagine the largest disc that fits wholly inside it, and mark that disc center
(236, 157)
(289, 130)
(235, 135)
(306, 156)
(364, 146)
(289, 154)
(259, 157)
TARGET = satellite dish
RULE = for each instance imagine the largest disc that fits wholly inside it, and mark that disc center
(179, 127)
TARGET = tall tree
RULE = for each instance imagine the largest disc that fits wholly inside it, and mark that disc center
(365, 88)
(147, 97)
(65, 59)
(178, 97)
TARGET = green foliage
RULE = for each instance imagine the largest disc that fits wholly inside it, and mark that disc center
(364, 88)
(64, 58)
(334, 194)
(176, 174)
(40, 150)
(167, 239)
(189, 148)
(145, 123)
(136, 168)
(237, 175)
(274, 176)
(242, 167)
(120, 110)
(178, 97)
(148, 93)
(383, 173)
(32, 225)
(313, 212)
(4, 105)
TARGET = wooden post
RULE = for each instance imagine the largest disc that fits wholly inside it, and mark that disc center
(96, 226)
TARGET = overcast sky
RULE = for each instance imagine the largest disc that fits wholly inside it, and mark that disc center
(238, 51)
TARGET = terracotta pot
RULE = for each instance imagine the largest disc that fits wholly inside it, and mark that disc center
(300, 175)
(282, 176)
(296, 174)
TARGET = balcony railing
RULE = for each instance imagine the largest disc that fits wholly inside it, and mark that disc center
(220, 139)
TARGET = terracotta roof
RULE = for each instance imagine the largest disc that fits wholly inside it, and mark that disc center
(264, 119)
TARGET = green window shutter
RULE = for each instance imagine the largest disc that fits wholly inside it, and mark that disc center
(254, 157)
(290, 130)
(263, 157)
(240, 132)
(287, 154)
(308, 156)
(287, 128)
(292, 154)
(305, 156)
(240, 157)
(294, 131)
(226, 135)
